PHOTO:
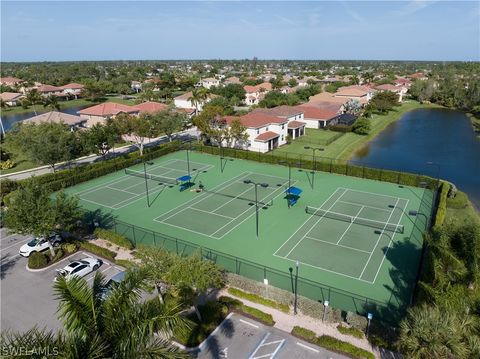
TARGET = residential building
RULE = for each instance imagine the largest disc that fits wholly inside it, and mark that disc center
(417, 76)
(136, 86)
(10, 81)
(319, 116)
(399, 90)
(183, 101)
(47, 90)
(325, 99)
(151, 107)
(403, 82)
(254, 94)
(232, 80)
(100, 113)
(208, 82)
(11, 98)
(72, 89)
(293, 115)
(363, 94)
(74, 122)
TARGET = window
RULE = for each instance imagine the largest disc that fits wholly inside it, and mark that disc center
(258, 131)
(266, 128)
(282, 137)
(283, 127)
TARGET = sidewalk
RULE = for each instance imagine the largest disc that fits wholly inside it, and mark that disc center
(286, 322)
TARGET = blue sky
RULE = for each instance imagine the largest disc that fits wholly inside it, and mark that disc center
(111, 30)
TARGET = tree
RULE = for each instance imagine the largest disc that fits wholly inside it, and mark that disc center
(292, 82)
(430, 332)
(51, 102)
(238, 133)
(137, 128)
(275, 98)
(99, 138)
(199, 96)
(361, 126)
(207, 120)
(304, 93)
(94, 91)
(32, 98)
(45, 143)
(169, 121)
(353, 107)
(384, 101)
(33, 211)
(235, 93)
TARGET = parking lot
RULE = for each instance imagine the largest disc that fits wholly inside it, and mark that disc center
(242, 338)
(27, 298)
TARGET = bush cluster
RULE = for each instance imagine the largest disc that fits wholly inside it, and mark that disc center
(356, 321)
(332, 344)
(442, 204)
(354, 332)
(114, 238)
(254, 313)
(99, 251)
(258, 299)
(37, 260)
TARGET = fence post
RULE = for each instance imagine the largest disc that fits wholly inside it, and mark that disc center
(176, 245)
(154, 239)
(133, 232)
(331, 162)
(363, 171)
(381, 172)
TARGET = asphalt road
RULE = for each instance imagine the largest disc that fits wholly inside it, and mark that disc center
(27, 298)
(242, 338)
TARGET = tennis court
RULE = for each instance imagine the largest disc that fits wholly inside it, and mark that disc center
(353, 225)
(358, 236)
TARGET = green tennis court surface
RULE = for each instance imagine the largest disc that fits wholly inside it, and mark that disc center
(355, 236)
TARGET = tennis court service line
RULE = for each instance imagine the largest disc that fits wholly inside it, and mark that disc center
(366, 206)
(339, 245)
(381, 234)
(390, 242)
(373, 194)
(216, 214)
(351, 223)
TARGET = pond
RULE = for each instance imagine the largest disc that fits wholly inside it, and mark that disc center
(429, 141)
(9, 120)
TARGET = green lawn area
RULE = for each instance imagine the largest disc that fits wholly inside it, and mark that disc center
(344, 147)
(21, 161)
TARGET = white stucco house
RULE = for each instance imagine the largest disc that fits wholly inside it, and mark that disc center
(183, 101)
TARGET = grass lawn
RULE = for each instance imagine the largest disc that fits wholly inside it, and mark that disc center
(22, 162)
(344, 147)
(461, 210)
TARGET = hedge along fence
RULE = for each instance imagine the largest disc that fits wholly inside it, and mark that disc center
(442, 204)
(325, 164)
(78, 174)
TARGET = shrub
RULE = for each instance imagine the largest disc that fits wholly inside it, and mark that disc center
(236, 305)
(114, 238)
(342, 347)
(99, 251)
(258, 299)
(303, 333)
(354, 332)
(356, 321)
(58, 255)
(69, 247)
(125, 263)
(442, 204)
(5, 165)
(340, 128)
(37, 260)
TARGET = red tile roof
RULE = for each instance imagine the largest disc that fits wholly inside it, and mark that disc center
(402, 81)
(324, 112)
(9, 96)
(280, 111)
(108, 109)
(10, 80)
(151, 107)
(296, 124)
(48, 88)
(58, 117)
(388, 87)
(267, 86)
(266, 136)
(256, 120)
(72, 86)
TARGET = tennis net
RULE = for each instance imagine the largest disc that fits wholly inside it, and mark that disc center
(157, 178)
(391, 227)
(233, 196)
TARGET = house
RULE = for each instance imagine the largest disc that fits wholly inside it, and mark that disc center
(293, 115)
(254, 94)
(151, 107)
(363, 94)
(72, 89)
(399, 90)
(265, 132)
(46, 90)
(232, 80)
(10, 81)
(417, 76)
(325, 99)
(183, 101)
(71, 121)
(11, 98)
(100, 113)
(403, 82)
(208, 82)
(136, 86)
(345, 119)
(319, 116)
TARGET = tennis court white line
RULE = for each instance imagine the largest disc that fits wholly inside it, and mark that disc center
(351, 223)
(187, 229)
(358, 204)
(98, 204)
(122, 190)
(233, 199)
(196, 198)
(304, 223)
(390, 242)
(216, 214)
(324, 269)
(339, 245)
(380, 236)
(323, 216)
(281, 193)
(374, 194)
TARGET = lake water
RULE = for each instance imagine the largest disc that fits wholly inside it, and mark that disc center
(9, 119)
(444, 137)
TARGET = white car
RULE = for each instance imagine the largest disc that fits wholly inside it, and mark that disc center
(79, 268)
(39, 244)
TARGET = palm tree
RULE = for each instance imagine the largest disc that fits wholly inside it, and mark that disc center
(51, 101)
(32, 98)
(199, 96)
(113, 324)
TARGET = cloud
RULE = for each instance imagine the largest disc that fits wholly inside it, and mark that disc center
(355, 15)
(413, 6)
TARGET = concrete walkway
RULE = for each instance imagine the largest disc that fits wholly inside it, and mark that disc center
(184, 135)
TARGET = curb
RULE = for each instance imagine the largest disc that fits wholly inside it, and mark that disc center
(53, 264)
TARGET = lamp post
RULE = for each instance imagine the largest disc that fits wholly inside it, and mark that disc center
(146, 180)
(256, 184)
(430, 163)
(369, 317)
(297, 264)
(325, 306)
(314, 149)
(298, 164)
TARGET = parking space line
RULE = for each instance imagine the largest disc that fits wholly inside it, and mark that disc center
(15, 244)
(307, 347)
(248, 323)
(263, 343)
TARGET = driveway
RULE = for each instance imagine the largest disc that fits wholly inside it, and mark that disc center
(27, 298)
(242, 338)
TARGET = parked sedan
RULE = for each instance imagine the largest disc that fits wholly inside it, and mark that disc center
(39, 244)
(79, 268)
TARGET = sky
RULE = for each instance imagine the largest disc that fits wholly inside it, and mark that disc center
(156, 30)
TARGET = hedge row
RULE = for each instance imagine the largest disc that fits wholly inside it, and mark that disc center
(254, 313)
(78, 174)
(114, 238)
(332, 344)
(442, 204)
(258, 299)
(324, 164)
(99, 251)
(354, 332)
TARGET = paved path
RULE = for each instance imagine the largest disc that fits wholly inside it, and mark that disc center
(184, 135)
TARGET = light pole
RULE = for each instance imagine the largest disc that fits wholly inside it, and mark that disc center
(256, 184)
(438, 171)
(298, 164)
(325, 306)
(223, 159)
(314, 161)
(146, 180)
(297, 264)
(369, 317)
